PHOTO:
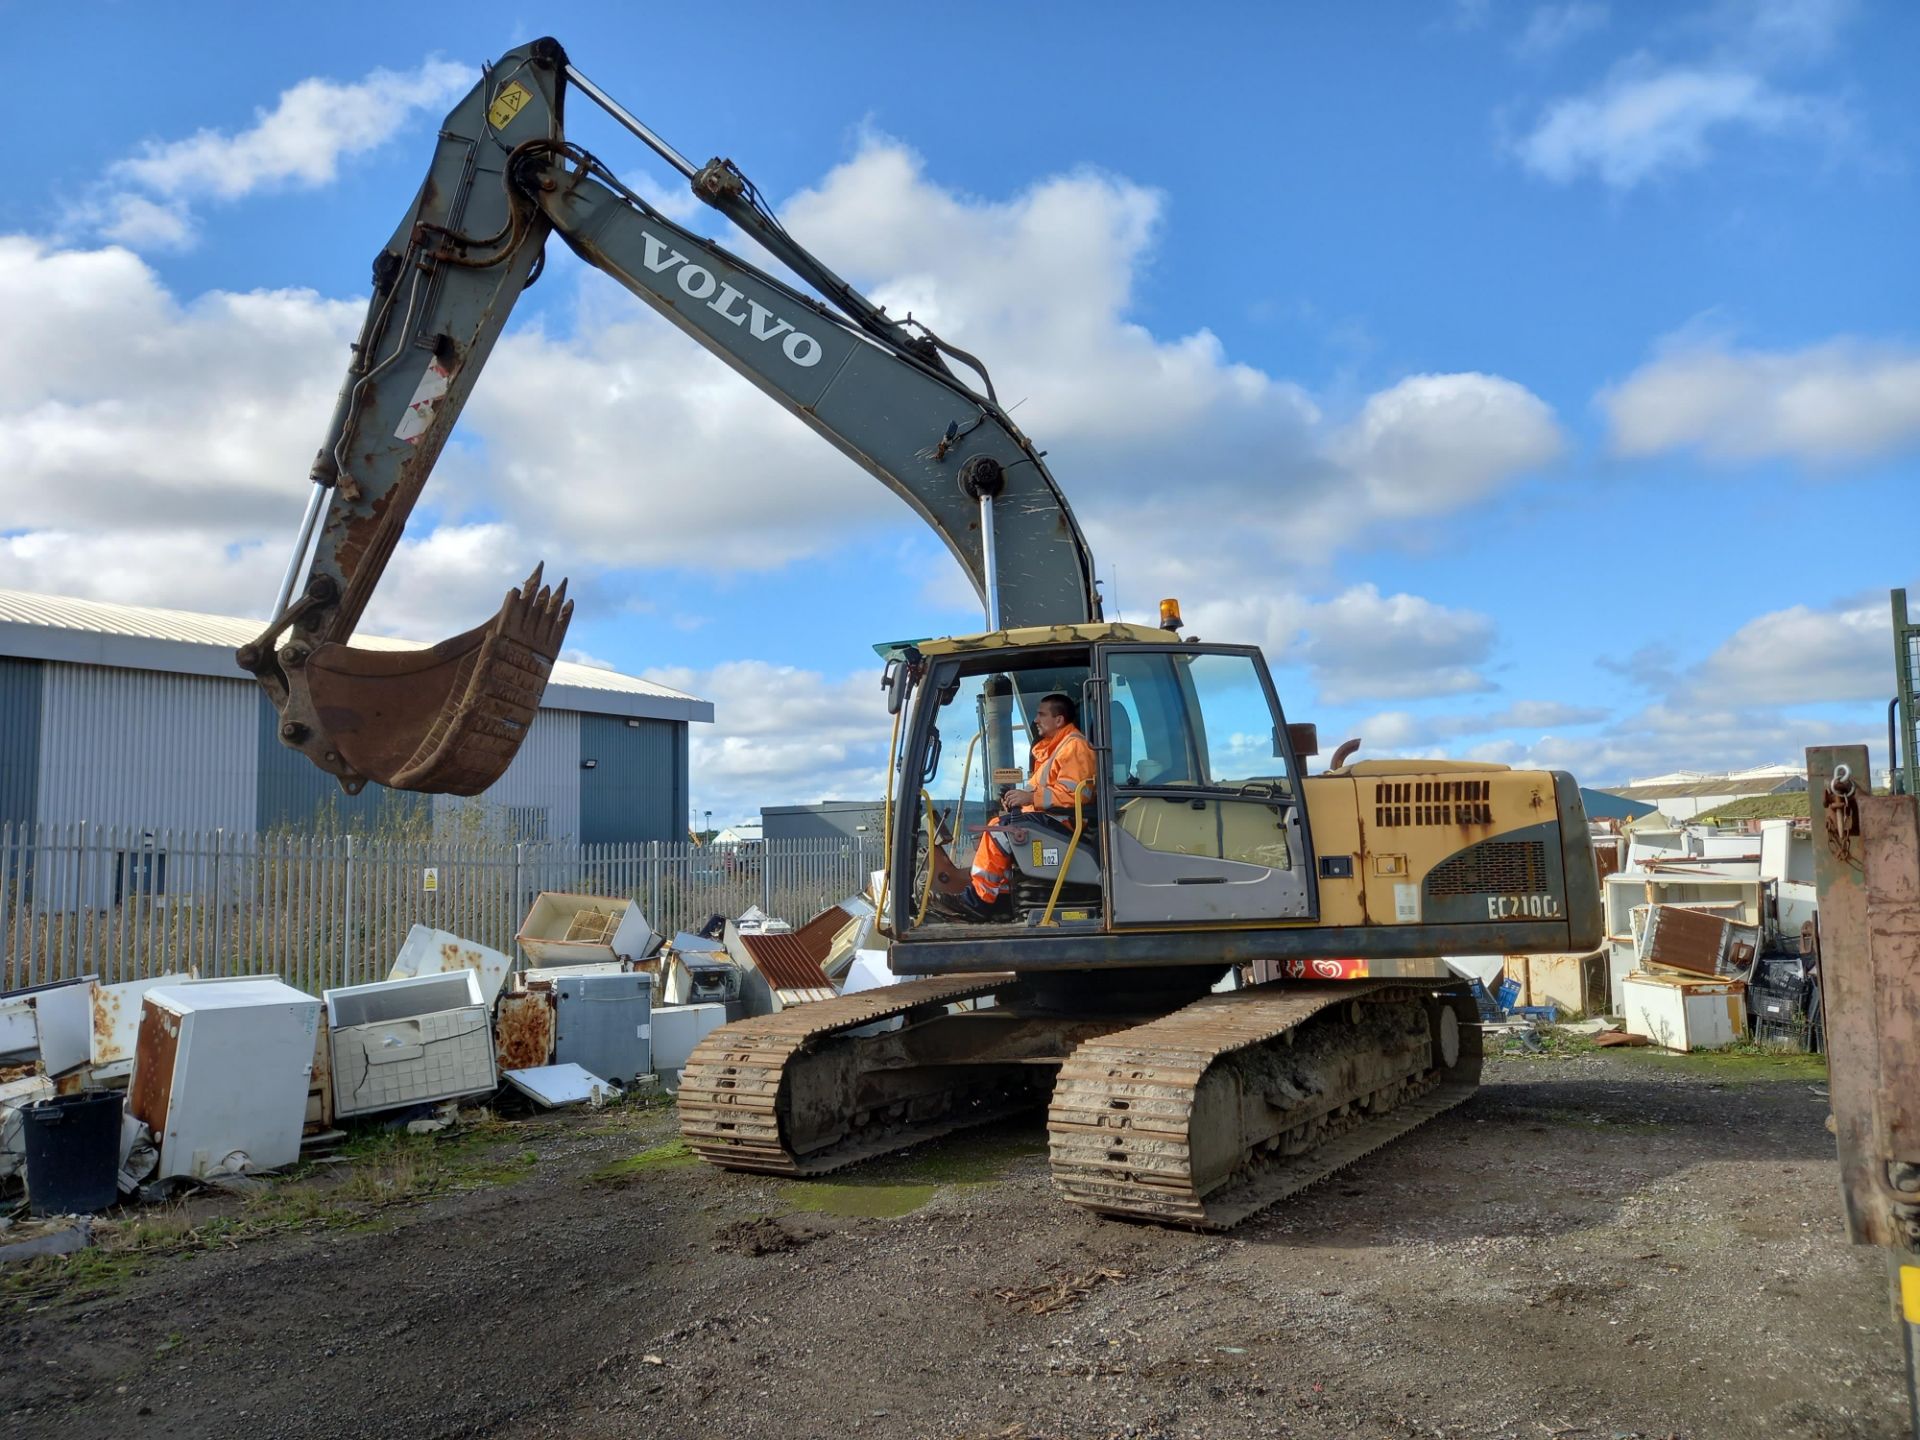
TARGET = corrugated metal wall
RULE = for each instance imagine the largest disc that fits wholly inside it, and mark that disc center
(294, 791)
(803, 823)
(145, 748)
(637, 789)
(544, 777)
(20, 701)
(107, 746)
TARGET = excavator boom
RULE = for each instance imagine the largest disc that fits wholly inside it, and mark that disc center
(449, 719)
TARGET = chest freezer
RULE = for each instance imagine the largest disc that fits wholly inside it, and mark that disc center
(220, 1070)
(407, 1042)
(1683, 1014)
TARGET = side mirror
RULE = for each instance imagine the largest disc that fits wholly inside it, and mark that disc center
(1305, 740)
(897, 679)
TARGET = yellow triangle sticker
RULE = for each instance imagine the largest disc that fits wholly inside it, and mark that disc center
(507, 104)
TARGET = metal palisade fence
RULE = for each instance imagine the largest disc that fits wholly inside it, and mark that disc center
(123, 903)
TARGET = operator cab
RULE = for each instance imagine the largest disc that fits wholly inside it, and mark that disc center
(1193, 817)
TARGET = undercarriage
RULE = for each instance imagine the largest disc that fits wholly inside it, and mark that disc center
(1160, 1106)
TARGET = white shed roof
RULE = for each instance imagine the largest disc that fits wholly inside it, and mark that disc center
(140, 637)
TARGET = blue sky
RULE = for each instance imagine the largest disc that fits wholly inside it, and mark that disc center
(1536, 381)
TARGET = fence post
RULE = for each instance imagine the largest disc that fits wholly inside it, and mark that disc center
(219, 902)
(766, 878)
(6, 910)
(653, 882)
(516, 907)
(346, 920)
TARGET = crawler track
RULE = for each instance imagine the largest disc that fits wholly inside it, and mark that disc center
(733, 1113)
(1206, 1115)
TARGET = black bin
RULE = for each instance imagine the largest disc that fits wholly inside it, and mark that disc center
(73, 1153)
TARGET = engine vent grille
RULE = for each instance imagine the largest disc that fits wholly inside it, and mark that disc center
(1498, 867)
(1399, 803)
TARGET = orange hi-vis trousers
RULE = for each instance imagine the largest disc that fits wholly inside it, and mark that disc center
(1061, 766)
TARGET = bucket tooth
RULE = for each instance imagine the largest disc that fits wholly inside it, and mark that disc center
(447, 720)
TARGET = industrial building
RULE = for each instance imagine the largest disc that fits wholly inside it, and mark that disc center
(826, 820)
(1684, 794)
(126, 715)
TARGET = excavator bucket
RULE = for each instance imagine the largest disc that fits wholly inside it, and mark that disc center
(446, 720)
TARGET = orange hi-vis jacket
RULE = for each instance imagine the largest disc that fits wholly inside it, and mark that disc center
(1060, 765)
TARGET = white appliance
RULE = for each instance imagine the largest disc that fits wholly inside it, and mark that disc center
(566, 929)
(432, 952)
(553, 1086)
(220, 1073)
(406, 1042)
(48, 1022)
(1684, 1014)
(676, 1030)
(116, 1024)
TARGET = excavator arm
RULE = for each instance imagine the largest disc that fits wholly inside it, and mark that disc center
(449, 719)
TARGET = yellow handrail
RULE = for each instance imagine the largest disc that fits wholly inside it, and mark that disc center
(933, 849)
(886, 827)
(1079, 824)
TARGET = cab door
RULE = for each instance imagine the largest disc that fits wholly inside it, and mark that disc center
(1201, 811)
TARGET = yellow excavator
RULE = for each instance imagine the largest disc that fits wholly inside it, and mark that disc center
(1200, 849)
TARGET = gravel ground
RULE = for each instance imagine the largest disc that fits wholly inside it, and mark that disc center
(1601, 1245)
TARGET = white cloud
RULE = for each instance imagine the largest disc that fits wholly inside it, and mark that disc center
(1655, 115)
(185, 569)
(1800, 656)
(1540, 715)
(1647, 119)
(1436, 443)
(1660, 739)
(1401, 732)
(1551, 28)
(144, 224)
(1363, 645)
(301, 140)
(124, 411)
(1360, 644)
(1847, 399)
(297, 144)
(782, 735)
(1735, 708)
(1785, 30)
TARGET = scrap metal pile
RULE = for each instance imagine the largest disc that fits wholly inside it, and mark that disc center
(1711, 940)
(237, 1075)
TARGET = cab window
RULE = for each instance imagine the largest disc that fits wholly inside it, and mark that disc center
(1196, 721)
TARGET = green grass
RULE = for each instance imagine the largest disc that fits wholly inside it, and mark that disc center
(857, 1199)
(83, 1275)
(668, 1155)
(1555, 1044)
(900, 1184)
(1741, 1063)
(390, 1169)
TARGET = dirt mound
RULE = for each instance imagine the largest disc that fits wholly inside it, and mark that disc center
(763, 1236)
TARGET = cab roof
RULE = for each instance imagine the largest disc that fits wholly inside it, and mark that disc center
(1037, 636)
